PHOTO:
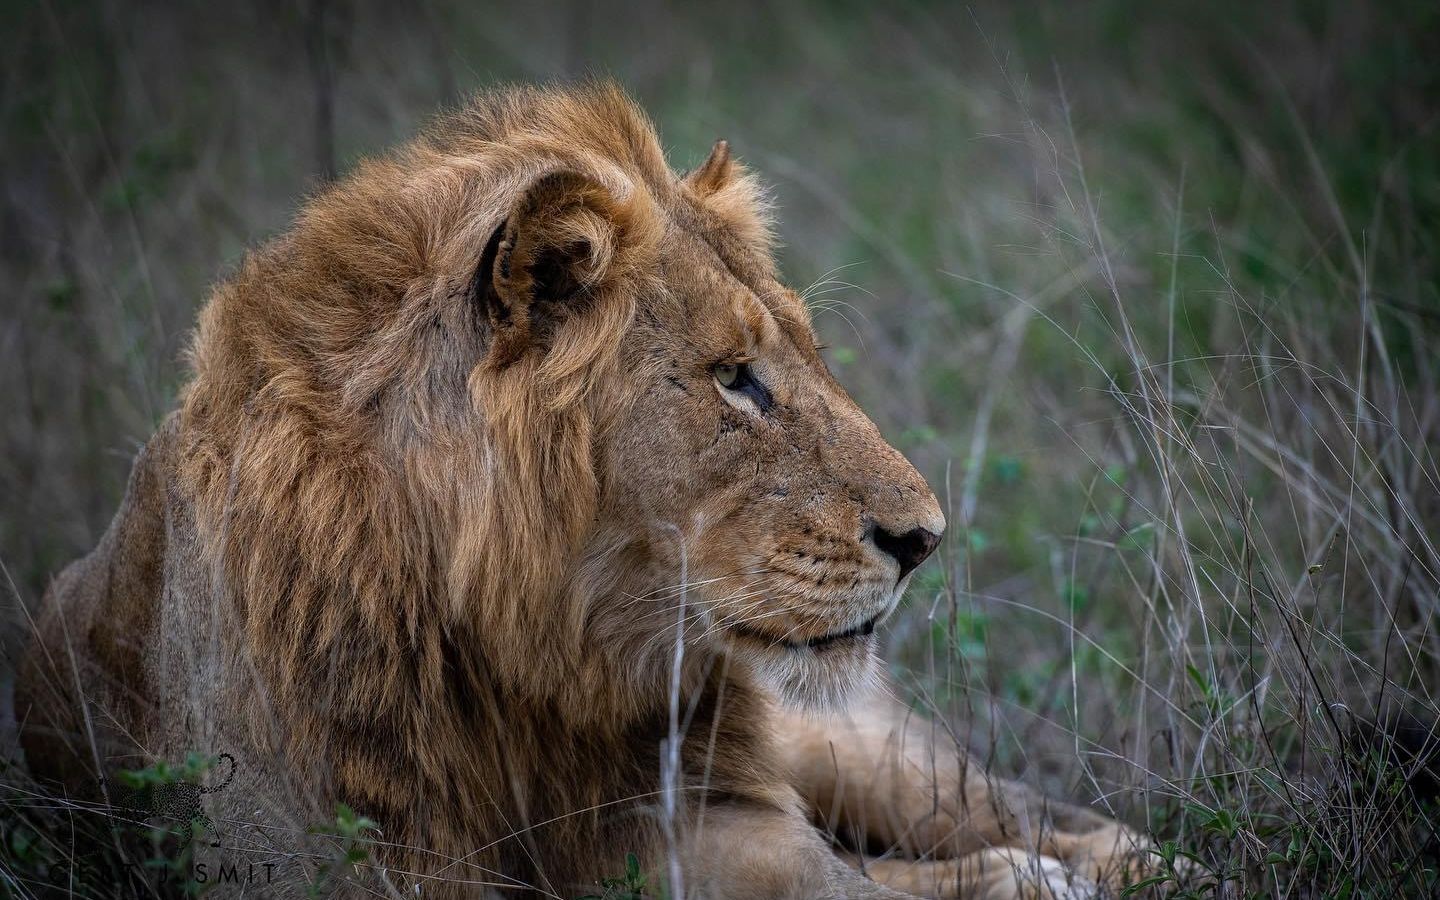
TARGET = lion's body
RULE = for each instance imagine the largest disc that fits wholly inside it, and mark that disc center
(394, 548)
(162, 677)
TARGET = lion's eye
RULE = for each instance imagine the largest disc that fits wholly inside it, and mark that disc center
(740, 378)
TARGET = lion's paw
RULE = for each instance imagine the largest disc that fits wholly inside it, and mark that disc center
(1047, 878)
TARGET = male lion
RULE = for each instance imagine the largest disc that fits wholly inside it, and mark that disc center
(511, 504)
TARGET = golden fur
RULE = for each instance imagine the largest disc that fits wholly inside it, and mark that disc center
(457, 523)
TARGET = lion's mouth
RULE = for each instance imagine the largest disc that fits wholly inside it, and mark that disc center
(857, 633)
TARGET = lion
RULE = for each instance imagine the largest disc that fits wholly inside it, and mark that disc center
(511, 503)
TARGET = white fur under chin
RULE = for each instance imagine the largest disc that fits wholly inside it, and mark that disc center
(808, 681)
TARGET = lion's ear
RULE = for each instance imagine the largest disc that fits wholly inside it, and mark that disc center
(547, 259)
(715, 173)
(725, 188)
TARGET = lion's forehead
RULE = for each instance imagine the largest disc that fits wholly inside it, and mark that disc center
(754, 313)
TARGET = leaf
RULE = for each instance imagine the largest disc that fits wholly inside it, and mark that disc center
(1076, 597)
(1132, 889)
(1138, 537)
(1166, 851)
(1202, 683)
(1008, 469)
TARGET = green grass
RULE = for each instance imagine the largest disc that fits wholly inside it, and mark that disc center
(1148, 292)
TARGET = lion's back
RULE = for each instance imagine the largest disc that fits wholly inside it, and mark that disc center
(95, 630)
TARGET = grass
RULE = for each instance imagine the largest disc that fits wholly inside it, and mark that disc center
(136, 842)
(1149, 294)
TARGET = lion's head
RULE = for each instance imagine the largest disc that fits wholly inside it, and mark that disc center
(522, 384)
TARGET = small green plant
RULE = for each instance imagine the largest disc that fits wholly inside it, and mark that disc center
(161, 802)
(1182, 875)
(352, 830)
(630, 886)
(191, 770)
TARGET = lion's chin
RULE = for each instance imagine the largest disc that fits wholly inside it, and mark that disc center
(828, 679)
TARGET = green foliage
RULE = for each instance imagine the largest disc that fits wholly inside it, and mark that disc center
(172, 842)
(963, 634)
(630, 886)
(352, 849)
(191, 769)
(94, 850)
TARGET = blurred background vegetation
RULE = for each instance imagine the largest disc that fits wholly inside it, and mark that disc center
(1148, 291)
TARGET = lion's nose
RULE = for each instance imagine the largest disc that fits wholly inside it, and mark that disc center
(910, 549)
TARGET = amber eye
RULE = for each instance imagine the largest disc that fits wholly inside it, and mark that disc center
(740, 378)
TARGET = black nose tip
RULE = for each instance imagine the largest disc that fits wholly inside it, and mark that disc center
(909, 549)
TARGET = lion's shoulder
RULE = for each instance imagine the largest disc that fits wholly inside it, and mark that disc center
(98, 623)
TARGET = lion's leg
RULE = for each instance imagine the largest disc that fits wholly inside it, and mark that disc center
(746, 852)
(994, 874)
(897, 780)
